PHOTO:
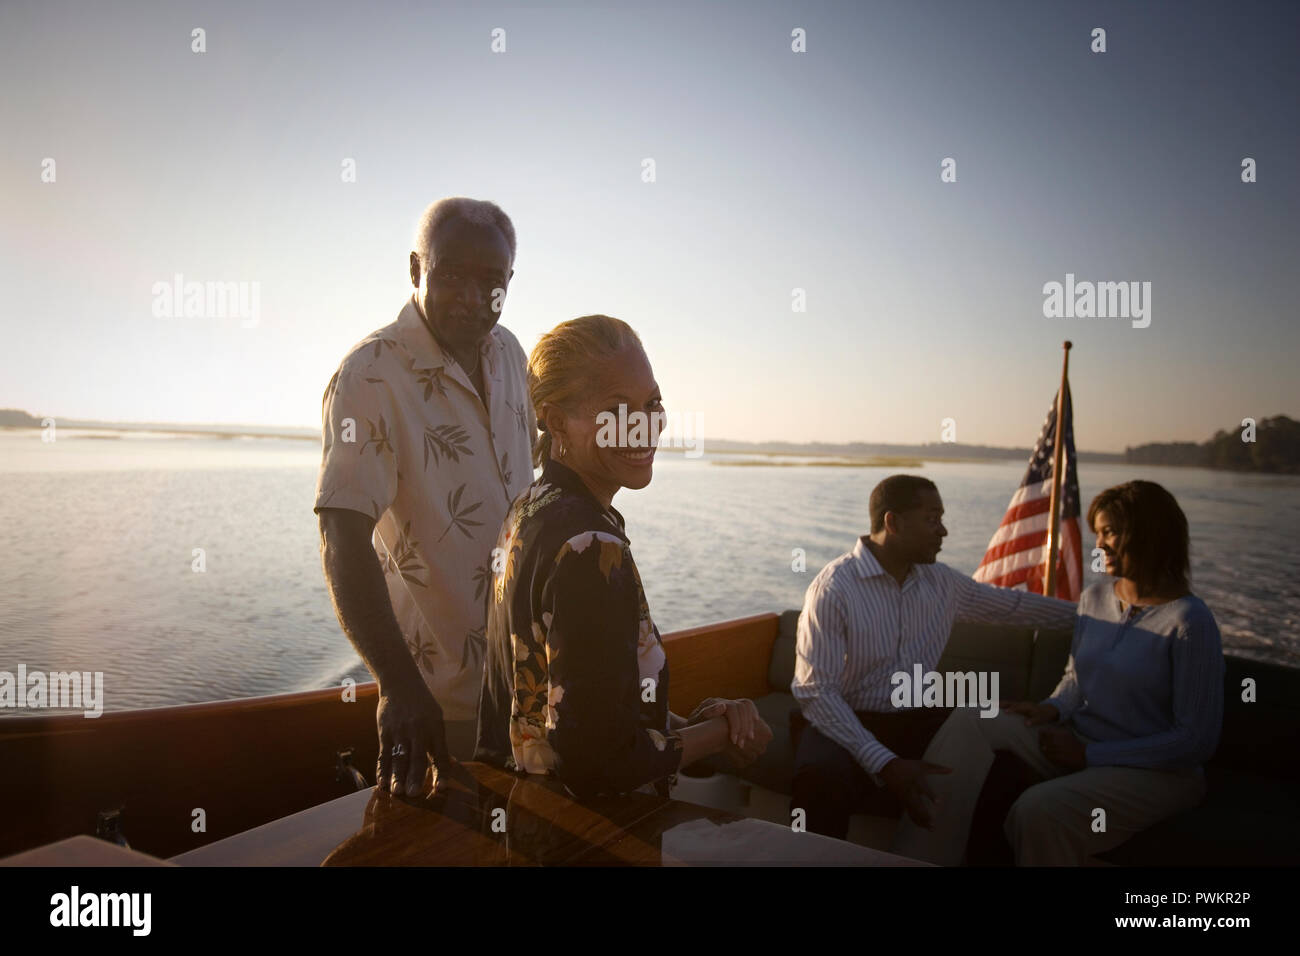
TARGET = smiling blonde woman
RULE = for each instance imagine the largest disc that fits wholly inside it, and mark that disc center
(576, 680)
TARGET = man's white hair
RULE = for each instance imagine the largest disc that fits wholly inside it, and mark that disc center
(478, 212)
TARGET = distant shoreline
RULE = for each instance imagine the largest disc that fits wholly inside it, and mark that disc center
(119, 431)
(829, 455)
(873, 462)
(734, 451)
(730, 449)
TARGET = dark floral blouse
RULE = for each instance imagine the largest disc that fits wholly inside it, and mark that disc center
(575, 681)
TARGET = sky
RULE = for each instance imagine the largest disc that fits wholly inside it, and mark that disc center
(775, 170)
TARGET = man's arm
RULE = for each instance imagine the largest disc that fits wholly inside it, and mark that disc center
(986, 604)
(357, 484)
(360, 596)
(407, 714)
(821, 645)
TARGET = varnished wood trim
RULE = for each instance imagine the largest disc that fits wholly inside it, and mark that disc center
(729, 659)
(244, 762)
(252, 760)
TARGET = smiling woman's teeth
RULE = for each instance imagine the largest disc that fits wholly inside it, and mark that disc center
(636, 457)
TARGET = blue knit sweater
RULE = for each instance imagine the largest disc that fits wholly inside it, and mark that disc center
(1145, 686)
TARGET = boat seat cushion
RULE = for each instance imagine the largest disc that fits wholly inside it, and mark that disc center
(1259, 735)
(780, 670)
(991, 647)
(1051, 652)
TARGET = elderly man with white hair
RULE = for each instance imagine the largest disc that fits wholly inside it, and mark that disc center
(426, 443)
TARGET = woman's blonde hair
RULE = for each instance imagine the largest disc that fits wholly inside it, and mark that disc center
(559, 370)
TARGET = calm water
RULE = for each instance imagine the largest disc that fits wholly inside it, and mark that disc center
(96, 538)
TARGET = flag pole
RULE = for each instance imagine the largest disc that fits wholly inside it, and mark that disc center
(1058, 454)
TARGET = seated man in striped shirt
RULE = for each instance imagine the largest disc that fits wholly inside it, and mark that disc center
(879, 610)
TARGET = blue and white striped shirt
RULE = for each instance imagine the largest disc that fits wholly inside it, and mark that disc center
(859, 627)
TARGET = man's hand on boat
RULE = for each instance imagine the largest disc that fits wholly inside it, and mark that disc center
(411, 734)
(905, 779)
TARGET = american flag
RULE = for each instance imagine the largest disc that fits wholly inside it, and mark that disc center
(1017, 554)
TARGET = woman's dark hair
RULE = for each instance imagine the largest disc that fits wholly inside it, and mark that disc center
(897, 493)
(1152, 534)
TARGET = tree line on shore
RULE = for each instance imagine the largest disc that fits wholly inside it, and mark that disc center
(1275, 448)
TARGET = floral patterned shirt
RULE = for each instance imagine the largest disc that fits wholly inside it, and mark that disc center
(409, 442)
(576, 681)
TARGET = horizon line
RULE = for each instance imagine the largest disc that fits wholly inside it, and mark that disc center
(273, 431)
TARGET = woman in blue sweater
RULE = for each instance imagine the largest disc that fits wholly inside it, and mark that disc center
(1120, 743)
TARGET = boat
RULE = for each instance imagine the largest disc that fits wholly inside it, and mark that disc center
(168, 781)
